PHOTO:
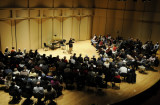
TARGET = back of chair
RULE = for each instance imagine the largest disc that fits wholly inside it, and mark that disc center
(45, 45)
(49, 95)
(13, 91)
(116, 80)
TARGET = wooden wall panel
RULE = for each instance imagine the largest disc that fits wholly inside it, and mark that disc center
(58, 3)
(34, 34)
(90, 3)
(157, 7)
(118, 23)
(57, 27)
(85, 12)
(67, 28)
(34, 13)
(85, 28)
(130, 5)
(111, 16)
(40, 33)
(89, 26)
(48, 13)
(46, 31)
(67, 3)
(40, 3)
(21, 3)
(139, 5)
(57, 12)
(6, 3)
(67, 12)
(13, 32)
(76, 12)
(102, 25)
(99, 22)
(76, 28)
(155, 32)
(85, 3)
(101, 3)
(95, 27)
(5, 34)
(75, 3)
(150, 5)
(114, 22)
(0, 44)
(46, 3)
(114, 4)
(155, 27)
(132, 25)
(34, 3)
(146, 29)
(22, 34)
(5, 13)
(22, 13)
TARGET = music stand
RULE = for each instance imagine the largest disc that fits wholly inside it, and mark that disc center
(53, 36)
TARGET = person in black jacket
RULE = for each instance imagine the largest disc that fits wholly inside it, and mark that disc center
(70, 45)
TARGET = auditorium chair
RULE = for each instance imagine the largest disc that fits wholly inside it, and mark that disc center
(124, 76)
(62, 43)
(116, 80)
(15, 93)
(46, 47)
(90, 82)
(100, 84)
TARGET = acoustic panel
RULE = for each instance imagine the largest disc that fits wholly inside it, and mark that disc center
(22, 34)
(57, 28)
(85, 28)
(34, 13)
(34, 34)
(21, 3)
(57, 12)
(6, 3)
(67, 28)
(67, 12)
(47, 13)
(76, 28)
(101, 3)
(5, 35)
(46, 31)
(21, 13)
(95, 27)
(116, 4)
(5, 13)
(40, 3)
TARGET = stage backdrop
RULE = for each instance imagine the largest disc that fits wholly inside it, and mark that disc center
(31, 28)
(30, 23)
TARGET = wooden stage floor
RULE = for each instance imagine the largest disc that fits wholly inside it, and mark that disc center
(85, 97)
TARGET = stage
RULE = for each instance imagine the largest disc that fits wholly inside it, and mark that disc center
(83, 47)
(89, 96)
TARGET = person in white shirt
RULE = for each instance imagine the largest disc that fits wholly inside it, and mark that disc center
(72, 60)
(123, 69)
(106, 64)
(38, 92)
(16, 72)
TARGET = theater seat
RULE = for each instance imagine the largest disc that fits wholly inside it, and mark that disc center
(46, 47)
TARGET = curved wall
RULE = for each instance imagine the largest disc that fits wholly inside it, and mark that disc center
(30, 23)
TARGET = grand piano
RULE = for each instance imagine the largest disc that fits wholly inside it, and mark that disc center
(54, 44)
(57, 43)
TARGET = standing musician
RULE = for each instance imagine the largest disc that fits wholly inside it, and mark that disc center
(70, 45)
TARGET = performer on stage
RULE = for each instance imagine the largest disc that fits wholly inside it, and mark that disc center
(70, 45)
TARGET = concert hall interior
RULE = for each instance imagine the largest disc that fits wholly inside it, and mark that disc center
(79, 52)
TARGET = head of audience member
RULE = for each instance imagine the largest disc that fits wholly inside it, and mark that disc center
(38, 84)
(80, 55)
